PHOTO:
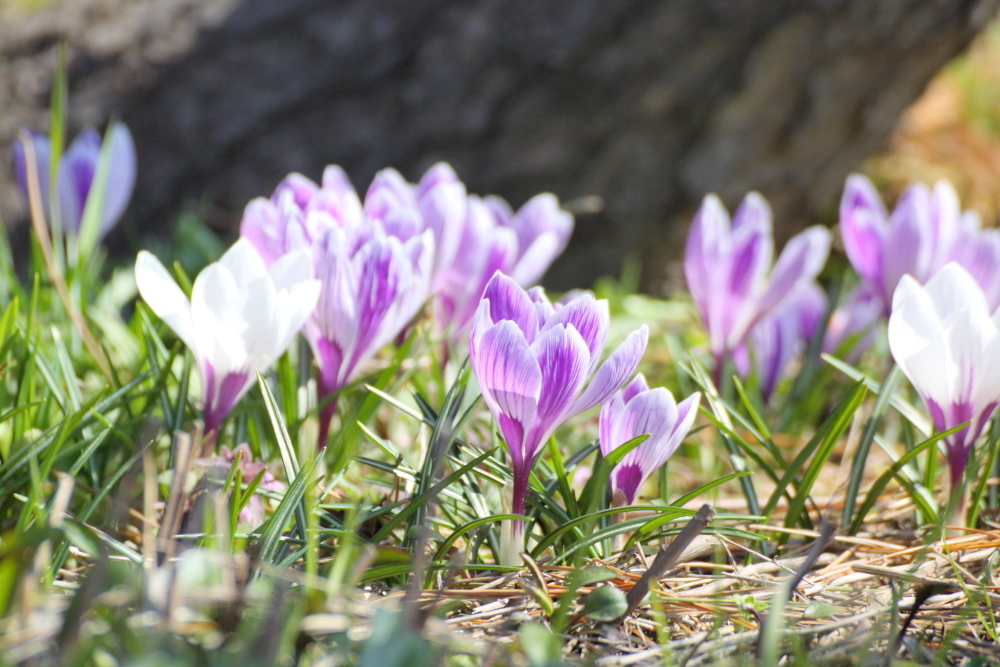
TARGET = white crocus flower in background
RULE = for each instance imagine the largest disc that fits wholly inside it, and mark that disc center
(945, 341)
(240, 319)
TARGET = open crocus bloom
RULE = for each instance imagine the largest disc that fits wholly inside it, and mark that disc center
(729, 273)
(533, 360)
(637, 410)
(373, 285)
(493, 238)
(785, 332)
(240, 319)
(944, 340)
(76, 175)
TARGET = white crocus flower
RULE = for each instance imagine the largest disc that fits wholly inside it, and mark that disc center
(945, 341)
(240, 319)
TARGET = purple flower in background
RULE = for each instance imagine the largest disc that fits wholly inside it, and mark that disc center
(945, 341)
(373, 285)
(533, 360)
(916, 239)
(241, 317)
(252, 513)
(785, 332)
(300, 212)
(854, 321)
(76, 175)
(729, 273)
(637, 410)
(493, 238)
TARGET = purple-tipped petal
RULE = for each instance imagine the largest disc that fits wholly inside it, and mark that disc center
(391, 201)
(302, 189)
(863, 226)
(614, 372)
(908, 240)
(509, 302)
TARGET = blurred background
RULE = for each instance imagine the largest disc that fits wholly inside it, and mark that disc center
(629, 110)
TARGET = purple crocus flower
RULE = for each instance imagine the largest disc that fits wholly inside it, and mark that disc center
(241, 317)
(373, 285)
(916, 239)
(785, 332)
(533, 360)
(637, 410)
(729, 273)
(493, 238)
(76, 174)
(945, 341)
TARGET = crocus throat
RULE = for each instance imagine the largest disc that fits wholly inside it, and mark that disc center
(627, 480)
(219, 398)
(329, 358)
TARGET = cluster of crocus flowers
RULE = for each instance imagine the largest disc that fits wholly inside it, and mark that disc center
(75, 175)
(945, 340)
(638, 410)
(534, 363)
(380, 260)
(240, 318)
(728, 265)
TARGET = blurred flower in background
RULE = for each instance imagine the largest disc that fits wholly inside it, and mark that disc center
(77, 169)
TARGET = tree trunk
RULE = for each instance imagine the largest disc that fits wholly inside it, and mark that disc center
(648, 105)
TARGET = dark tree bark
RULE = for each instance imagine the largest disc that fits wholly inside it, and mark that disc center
(648, 105)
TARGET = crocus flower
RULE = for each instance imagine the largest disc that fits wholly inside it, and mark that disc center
(785, 332)
(729, 273)
(533, 362)
(241, 317)
(637, 410)
(916, 239)
(944, 340)
(252, 513)
(76, 175)
(373, 285)
(493, 238)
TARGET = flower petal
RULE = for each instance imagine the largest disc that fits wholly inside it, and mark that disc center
(165, 298)
(614, 372)
(801, 261)
(590, 318)
(121, 176)
(509, 302)
(862, 226)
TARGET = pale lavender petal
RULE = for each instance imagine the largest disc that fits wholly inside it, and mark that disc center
(753, 246)
(509, 302)
(635, 387)
(800, 262)
(542, 214)
(391, 200)
(263, 226)
(610, 413)
(614, 372)
(909, 240)
(302, 189)
(591, 319)
(863, 226)
(41, 145)
(857, 317)
(537, 258)
(543, 307)
(121, 176)
(706, 249)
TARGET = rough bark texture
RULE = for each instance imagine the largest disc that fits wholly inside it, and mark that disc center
(647, 104)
